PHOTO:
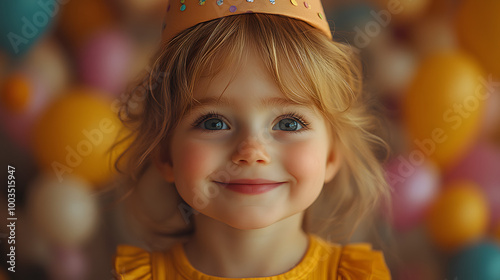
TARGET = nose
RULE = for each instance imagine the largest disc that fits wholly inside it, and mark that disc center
(251, 151)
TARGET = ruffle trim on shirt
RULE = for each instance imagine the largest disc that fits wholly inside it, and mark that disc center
(360, 262)
(356, 262)
(132, 263)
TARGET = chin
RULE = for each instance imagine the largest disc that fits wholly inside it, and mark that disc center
(249, 224)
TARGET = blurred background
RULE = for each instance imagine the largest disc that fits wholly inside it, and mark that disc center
(434, 66)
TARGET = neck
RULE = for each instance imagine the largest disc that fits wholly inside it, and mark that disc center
(220, 250)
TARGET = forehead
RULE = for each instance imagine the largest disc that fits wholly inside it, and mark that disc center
(245, 77)
(240, 79)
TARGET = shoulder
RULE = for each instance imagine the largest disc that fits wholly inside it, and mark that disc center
(352, 261)
(132, 262)
(359, 261)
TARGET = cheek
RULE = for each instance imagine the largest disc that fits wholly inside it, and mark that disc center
(306, 161)
(193, 160)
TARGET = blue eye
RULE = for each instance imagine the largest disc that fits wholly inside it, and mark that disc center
(288, 125)
(214, 124)
(291, 122)
(211, 121)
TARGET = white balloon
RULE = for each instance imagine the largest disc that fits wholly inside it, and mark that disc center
(65, 212)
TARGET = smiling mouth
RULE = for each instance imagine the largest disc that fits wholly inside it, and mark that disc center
(250, 188)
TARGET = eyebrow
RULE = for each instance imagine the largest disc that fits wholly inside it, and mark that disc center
(223, 101)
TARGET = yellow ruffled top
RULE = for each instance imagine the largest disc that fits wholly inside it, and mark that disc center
(322, 261)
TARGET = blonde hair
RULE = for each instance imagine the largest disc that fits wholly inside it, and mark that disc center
(308, 67)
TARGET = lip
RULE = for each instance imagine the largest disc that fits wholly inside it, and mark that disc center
(250, 186)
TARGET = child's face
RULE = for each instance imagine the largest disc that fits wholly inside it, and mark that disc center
(248, 137)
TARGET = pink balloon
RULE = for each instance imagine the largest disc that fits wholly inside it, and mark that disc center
(105, 61)
(482, 166)
(68, 264)
(413, 189)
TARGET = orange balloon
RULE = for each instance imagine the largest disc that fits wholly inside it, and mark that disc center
(16, 93)
(404, 10)
(497, 233)
(74, 135)
(442, 8)
(478, 27)
(458, 216)
(80, 20)
(444, 105)
(144, 6)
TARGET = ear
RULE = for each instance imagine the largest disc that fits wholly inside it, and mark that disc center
(333, 163)
(165, 168)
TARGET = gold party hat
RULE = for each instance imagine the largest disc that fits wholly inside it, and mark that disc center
(183, 14)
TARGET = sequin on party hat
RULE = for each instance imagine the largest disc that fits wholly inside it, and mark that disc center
(180, 17)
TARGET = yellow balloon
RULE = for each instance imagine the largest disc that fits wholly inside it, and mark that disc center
(458, 216)
(444, 105)
(75, 134)
(478, 29)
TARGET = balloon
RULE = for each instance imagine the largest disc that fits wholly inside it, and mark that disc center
(477, 28)
(443, 7)
(404, 10)
(105, 62)
(143, 6)
(24, 98)
(16, 93)
(412, 192)
(478, 262)
(23, 22)
(65, 212)
(74, 135)
(74, 21)
(349, 16)
(31, 247)
(444, 105)
(482, 166)
(393, 68)
(48, 64)
(458, 216)
(497, 232)
(491, 120)
(356, 24)
(68, 263)
(434, 34)
(496, 136)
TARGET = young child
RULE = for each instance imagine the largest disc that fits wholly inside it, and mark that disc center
(257, 114)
